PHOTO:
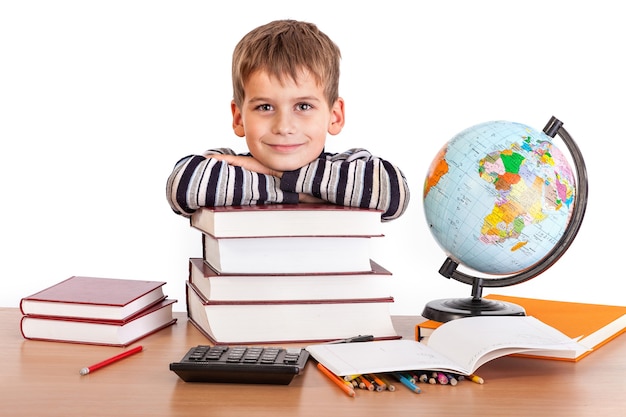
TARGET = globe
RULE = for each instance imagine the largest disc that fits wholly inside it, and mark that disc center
(500, 198)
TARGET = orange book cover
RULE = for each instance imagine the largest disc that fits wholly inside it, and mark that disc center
(425, 328)
(593, 325)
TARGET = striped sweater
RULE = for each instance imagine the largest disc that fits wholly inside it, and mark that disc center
(353, 178)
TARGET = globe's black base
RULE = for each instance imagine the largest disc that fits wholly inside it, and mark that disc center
(456, 308)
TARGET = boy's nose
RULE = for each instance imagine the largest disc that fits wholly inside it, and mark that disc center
(284, 124)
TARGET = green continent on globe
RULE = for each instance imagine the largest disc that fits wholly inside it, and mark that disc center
(498, 197)
(526, 188)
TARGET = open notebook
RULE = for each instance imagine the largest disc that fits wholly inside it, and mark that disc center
(459, 346)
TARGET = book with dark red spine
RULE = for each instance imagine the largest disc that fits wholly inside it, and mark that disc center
(97, 331)
(216, 286)
(297, 254)
(91, 297)
(287, 220)
(262, 322)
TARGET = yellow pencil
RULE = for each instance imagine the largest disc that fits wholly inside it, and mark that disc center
(475, 378)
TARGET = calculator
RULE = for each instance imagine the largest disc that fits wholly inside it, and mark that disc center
(241, 364)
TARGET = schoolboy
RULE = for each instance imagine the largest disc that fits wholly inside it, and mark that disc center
(286, 100)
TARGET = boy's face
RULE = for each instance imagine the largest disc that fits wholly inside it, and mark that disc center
(285, 123)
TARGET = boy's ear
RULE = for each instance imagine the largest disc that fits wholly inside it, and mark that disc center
(237, 120)
(337, 117)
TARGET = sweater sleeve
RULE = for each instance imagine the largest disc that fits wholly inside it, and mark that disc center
(197, 181)
(353, 178)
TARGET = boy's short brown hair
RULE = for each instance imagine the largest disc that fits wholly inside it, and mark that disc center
(285, 48)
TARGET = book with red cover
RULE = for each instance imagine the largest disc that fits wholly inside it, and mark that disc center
(254, 322)
(592, 325)
(216, 286)
(287, 220)
(91, 297)
(99, 332)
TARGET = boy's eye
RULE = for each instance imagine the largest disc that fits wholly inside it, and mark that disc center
(304, 106)
(264, 107)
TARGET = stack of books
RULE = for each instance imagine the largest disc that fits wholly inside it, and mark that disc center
(288, 273)
(100, 311)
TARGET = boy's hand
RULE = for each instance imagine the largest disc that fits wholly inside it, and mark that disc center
(308, 198)
(253, 165)
(246, 162)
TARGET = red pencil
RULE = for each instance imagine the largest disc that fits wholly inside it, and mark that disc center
(109, 361)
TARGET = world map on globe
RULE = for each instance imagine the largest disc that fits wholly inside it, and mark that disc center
(498, 197)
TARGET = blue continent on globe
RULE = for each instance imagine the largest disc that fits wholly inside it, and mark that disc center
(498, 197)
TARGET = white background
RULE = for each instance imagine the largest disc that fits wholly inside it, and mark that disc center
(99, 99)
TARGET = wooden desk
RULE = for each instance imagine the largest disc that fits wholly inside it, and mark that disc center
(42, 379)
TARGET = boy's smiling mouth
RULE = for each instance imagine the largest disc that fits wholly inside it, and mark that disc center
(285, 148)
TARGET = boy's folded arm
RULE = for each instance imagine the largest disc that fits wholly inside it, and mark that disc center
(247, 162)
(198, 181)
(354, 178)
